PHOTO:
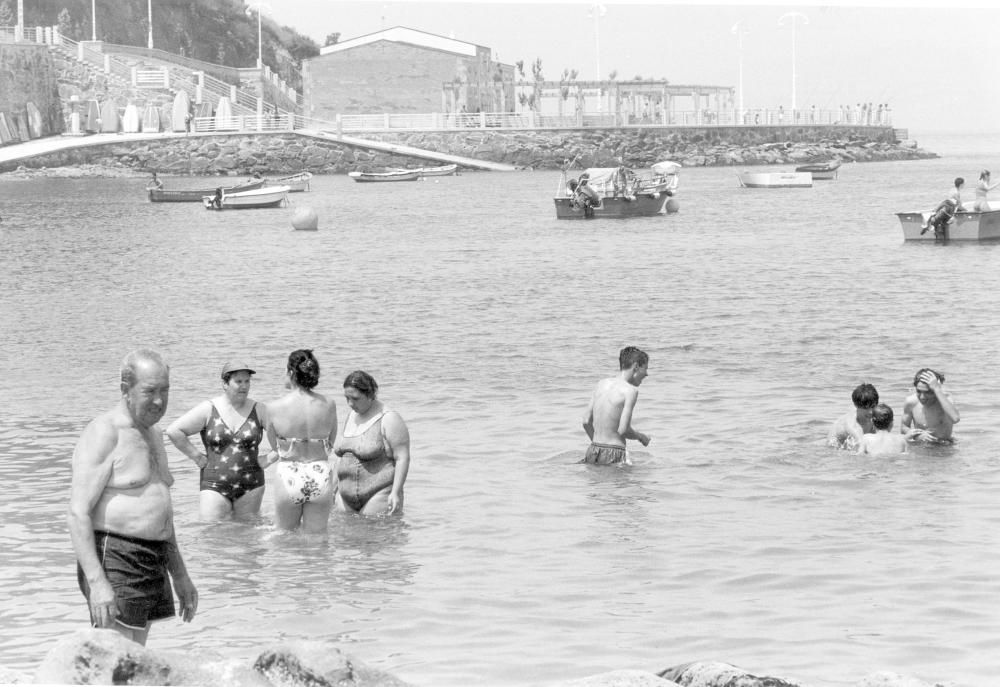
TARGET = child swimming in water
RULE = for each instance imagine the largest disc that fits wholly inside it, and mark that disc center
(883, 442)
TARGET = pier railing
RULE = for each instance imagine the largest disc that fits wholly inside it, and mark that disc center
(386, 122)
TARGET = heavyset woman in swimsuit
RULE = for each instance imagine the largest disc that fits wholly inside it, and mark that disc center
(302, 425)
(373, 451)
(231, 427)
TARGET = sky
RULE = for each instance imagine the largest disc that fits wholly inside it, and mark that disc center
(934, 65)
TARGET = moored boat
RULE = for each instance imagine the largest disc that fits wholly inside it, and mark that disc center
(965, 226)
(158, 194)
(775, 179)
(824, 170)
(392, 175)
(267, 197)
(618, 192)
(441, 171)
(295, 182)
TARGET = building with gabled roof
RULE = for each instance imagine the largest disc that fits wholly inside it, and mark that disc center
(402, 70)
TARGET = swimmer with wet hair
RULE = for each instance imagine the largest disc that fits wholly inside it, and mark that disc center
(608, 419)
(848, 429)
(883, 442)
(929, 414)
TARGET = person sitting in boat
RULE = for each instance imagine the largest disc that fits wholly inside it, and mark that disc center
(155, 182)
(217, 199)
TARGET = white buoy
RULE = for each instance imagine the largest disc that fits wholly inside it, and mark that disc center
(673, 206)
(305, 219)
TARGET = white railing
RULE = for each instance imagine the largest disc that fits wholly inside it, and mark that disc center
(150, 77)
(243, 123)
(348, 123)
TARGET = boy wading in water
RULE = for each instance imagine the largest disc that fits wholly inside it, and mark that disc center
(848, 429)
(608, 420)
(929, 414)
(883, 442)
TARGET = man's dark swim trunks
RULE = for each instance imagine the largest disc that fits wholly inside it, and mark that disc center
(137, 570)
(604, 454)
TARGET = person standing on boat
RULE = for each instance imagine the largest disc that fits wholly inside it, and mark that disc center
(608, 420)
(848, 429)
(231, 426)
(983, 187)
(929, 414)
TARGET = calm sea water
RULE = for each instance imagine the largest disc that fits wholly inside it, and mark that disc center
(737, 536)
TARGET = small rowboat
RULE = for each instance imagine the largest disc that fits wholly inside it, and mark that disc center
(295, 182)
(442, 171)
(775, 179)
(396, 175)
(825, 170)
(158, 194)
(269, 197)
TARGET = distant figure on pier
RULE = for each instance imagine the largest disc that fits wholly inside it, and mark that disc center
(984, 186)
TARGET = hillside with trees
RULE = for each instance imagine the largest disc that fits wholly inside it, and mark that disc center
(218, 31)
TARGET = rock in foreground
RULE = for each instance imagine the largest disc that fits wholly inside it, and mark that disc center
(104, 657)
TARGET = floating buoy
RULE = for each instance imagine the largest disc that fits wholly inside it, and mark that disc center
(673, 206)
(305, 219)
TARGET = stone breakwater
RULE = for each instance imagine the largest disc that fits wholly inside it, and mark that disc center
(103, 657)
(240, 154)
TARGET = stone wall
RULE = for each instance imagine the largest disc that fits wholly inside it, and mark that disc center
(545, 149)
(27, 74)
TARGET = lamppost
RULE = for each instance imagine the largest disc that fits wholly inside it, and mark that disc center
(740, 31)
(793, 16)
(149, 17)
(260, 53)
(597, 10)
(93, 20)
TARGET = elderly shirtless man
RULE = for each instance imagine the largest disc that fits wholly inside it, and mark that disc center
(929, 414)
(120, 516)
(608, 420)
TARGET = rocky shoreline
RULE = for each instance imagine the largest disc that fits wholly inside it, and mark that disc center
(291, 152)
(103, 657)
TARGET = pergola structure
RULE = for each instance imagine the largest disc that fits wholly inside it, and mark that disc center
(631, 101)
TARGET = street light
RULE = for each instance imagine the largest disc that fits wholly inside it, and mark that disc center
(597, 10)
(260, 53)
(793, 16)
(93, 20)
(149, 16)
(740, 31)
